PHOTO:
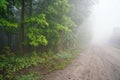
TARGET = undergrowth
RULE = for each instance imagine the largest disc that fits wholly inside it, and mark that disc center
(30, 76)
(9, 65)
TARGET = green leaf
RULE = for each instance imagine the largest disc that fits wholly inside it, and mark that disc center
(3, 4)
(36, 38)
(39, 19)
(6, 23)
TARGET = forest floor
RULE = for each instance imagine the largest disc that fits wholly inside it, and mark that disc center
(95, 63)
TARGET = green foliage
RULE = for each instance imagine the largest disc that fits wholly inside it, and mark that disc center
(36, 38)
(50, 61)
(64, 55)
(60, 27)
(35, 34)
(62, 60)
(7, 26)
(68, 22)
(40, 20)
(5, 23)
(9, 65)
(30, 76)
(49, 24)
(3, 4)
(52, 33)
(56, 61)
(59, 21)
(52, 10)
(62, 6)
(7, 52)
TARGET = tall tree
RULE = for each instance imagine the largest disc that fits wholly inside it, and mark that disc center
(22, 26)
(57, 13)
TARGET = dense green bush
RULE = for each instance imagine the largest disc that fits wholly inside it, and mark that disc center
(30, 76)
(9, 65)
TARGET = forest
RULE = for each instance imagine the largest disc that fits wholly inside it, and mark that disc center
(40, 33)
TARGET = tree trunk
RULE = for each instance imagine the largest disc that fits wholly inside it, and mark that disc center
(9, 40)
(30, 7)
(22, 27)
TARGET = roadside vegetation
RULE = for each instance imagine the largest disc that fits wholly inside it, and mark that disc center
(40, 36)
(33, 66)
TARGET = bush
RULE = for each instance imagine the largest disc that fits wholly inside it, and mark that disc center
(56, 61)
(9, 65)
(30, 76)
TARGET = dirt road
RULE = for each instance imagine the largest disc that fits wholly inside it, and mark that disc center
(96, 63)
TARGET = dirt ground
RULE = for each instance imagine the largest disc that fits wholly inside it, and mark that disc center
(96, 63)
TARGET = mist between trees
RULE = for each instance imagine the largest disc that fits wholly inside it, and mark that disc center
(42, 25)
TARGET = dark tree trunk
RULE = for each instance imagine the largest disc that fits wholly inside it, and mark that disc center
(30, 7)
(22, 27)
(9, 40)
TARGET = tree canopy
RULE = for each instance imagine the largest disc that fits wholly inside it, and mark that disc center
(42, 23)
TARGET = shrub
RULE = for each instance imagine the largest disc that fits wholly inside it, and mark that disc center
(9, 65)
(50, 61)
(30, 76)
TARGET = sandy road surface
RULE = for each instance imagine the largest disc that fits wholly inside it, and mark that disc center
(96, 63)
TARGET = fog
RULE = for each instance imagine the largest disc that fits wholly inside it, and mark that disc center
(104, 18)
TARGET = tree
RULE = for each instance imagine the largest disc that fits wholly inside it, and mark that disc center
(3, 7)
(80, 14)
(22, 27)
(8, 23)
(35, 31)
(44, 24)
(9, 28)
(59, 21)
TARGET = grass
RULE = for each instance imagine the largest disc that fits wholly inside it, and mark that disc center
(30, 76)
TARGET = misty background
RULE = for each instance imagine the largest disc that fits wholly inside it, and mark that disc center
(104, 18)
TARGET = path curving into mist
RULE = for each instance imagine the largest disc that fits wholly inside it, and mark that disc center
(96, 63)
